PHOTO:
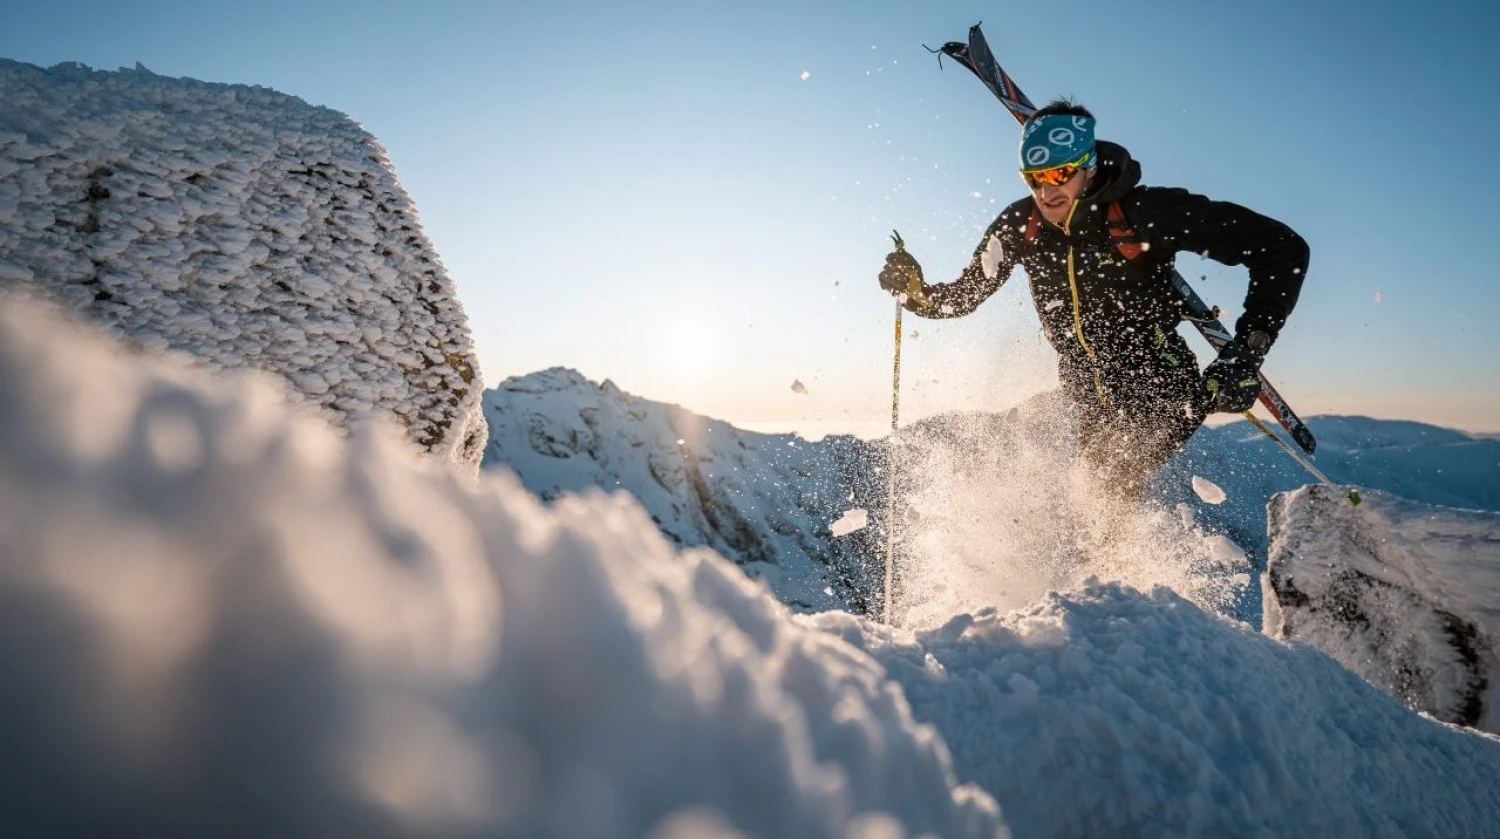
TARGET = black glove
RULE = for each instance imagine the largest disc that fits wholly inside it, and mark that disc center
(1232, 381)
(902, 274)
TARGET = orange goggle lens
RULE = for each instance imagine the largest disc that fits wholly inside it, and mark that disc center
(1055, 176)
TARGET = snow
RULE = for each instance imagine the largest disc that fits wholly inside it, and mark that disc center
(995, 515)
(993, 502)
(218, 612)
(763, 500)
(1405, 594)
(207, 599)
(850, 522)
(242, 227)
(1414, 460)
(995, 512)
(204, 589)
(1208, 491)
(1110, 712)
(1426, 463)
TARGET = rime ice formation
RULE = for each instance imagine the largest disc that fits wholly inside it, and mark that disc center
(243, 227)
(1403, 593)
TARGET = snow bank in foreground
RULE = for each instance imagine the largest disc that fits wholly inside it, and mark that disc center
(216, 621)
(219, 620)
(1405, 594)
(1107, 712)
(243, 227)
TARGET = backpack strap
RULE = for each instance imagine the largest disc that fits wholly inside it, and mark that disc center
(1127, 241)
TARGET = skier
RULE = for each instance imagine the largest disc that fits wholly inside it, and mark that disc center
(1098, 249)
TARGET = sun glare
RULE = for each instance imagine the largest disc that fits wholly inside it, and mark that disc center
(689, 348)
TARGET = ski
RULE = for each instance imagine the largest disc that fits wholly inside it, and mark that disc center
(976, 56)
(1211, 328)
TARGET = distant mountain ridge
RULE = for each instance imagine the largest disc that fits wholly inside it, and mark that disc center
(765, 501)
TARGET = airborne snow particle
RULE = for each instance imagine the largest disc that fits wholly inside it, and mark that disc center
(806, 75)
(798, 386)
(853, 520)
(1208, 490)
(1379, 297)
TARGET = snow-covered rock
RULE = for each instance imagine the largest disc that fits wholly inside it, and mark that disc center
(1405, 594)
(243, 227)
(766, 501)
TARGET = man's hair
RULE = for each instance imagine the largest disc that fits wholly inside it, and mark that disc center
(1063, 106)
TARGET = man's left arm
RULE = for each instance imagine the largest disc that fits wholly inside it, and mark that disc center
(1226, 232)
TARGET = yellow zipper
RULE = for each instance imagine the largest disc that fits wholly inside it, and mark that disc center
(1077, 312)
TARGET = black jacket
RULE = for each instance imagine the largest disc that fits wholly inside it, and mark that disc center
(1113, 321)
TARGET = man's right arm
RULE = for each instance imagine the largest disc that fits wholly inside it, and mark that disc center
(987, 271)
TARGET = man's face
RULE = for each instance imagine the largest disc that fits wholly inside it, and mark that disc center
(1055, 202)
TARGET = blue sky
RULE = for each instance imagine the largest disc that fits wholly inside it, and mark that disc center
(656, 195)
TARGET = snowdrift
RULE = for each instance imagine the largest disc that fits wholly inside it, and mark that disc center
(1108, 712)
(1405, 594)
(219, 617)
(243, 227)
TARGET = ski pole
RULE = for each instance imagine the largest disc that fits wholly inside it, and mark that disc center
(890, 496)
(1353, 495)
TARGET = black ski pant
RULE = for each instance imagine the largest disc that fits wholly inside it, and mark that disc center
(1125, 436)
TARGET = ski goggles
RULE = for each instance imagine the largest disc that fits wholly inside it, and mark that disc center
(1055, 175)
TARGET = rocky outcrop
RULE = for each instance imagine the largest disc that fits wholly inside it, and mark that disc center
(243, 227)
(1402, 593)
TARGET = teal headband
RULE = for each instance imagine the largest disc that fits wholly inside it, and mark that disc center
(1056, 139)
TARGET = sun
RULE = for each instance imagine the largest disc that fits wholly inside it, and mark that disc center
(689, 347)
